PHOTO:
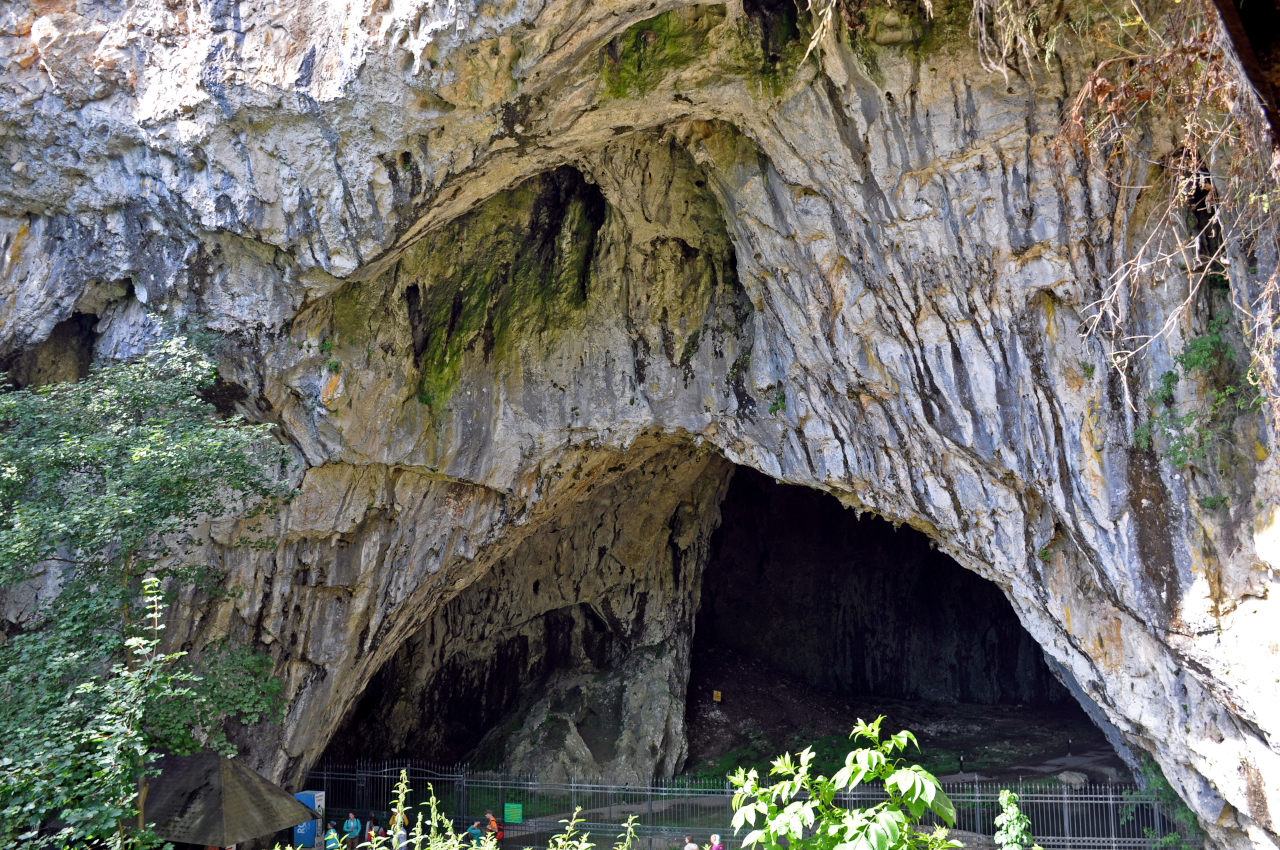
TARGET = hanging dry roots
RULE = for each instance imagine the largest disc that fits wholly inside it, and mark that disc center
(1007, 31)
(1219, 188)
(823, 13)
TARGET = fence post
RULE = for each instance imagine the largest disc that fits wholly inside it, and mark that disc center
(649, 794)
(1111, 809)
(1066, 816)
(977, 810)
(464, 784)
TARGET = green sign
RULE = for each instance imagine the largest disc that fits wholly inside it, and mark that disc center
(513, 812)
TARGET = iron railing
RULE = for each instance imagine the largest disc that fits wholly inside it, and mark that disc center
(1063, 817)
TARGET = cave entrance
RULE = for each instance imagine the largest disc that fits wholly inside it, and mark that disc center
(590, 647)
(811, 617)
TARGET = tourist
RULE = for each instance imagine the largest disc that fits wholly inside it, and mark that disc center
(689, 844)
(331, 840)
(474, 834)
(715, 843)
(400, 830)
(492, 827)
(374, 830)
(351, 831)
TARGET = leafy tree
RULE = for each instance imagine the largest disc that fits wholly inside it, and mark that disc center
(104, 484)
(805, 811)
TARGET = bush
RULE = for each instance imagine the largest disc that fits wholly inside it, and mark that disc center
(803, 811)
(1013, 828)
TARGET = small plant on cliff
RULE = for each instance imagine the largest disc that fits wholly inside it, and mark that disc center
(1182, 830)
(1189, 435)
(801, 810)
(104, 485)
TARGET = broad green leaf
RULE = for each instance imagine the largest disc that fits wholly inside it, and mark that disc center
(943, 808)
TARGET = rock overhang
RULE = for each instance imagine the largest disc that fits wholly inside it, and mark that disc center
(863, 276)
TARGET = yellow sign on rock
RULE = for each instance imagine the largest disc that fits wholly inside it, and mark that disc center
(715, 696)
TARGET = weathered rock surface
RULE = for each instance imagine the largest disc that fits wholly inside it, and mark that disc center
(575, 647)
(480, 260)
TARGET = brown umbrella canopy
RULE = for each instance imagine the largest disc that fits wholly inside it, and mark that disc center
(208, 799)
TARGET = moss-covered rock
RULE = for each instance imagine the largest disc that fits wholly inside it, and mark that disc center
(635, 62)
(518, 264)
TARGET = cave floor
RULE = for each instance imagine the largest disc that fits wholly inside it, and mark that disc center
(763, 713)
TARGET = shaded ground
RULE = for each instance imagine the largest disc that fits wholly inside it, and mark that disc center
(763, 714)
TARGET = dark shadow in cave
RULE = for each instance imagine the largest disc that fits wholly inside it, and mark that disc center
(810, 617)
(857, 607)
(64, 356)
(592, 650)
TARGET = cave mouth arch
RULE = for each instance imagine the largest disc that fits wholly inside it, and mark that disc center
(811, 617)
(591, 650)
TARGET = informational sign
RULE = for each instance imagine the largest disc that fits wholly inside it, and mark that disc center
(513, 812)
(715, 696)
(310, 833)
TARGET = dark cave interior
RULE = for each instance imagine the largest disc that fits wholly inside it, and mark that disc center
(859, 607)
(796, 609)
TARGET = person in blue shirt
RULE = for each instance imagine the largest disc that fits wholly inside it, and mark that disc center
(351, 831)
(331, 840)
(474, 833)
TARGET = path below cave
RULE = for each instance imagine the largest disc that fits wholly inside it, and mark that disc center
(763, 713)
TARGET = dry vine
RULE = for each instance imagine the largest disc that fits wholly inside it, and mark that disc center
(1221, 182)
(1218, 217)
(1010, 31)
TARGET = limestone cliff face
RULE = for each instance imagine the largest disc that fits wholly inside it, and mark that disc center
(513, 270)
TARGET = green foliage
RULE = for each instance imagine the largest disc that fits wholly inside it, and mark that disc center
(1213, 503)
(1189, 435)
(1087, 369)
(1186, 833)
(800, 810)
(1013, 828)
(779, 401)
(758, 752)
(1164, 390)
(515, 268)
(1207, 352)
(102, 486)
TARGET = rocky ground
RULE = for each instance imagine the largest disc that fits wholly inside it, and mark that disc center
(763, 713)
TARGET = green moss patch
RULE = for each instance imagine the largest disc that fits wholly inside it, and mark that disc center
(518, 265)
(634, 63)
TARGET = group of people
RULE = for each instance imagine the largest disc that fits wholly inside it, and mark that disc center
(352, 836)
(714, 844)
(488, 825)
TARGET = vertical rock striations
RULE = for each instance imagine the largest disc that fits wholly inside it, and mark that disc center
(490, 265)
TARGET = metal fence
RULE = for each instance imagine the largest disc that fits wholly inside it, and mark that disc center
(1090, 817)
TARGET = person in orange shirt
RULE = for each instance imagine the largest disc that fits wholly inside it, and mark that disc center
(492, 827)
